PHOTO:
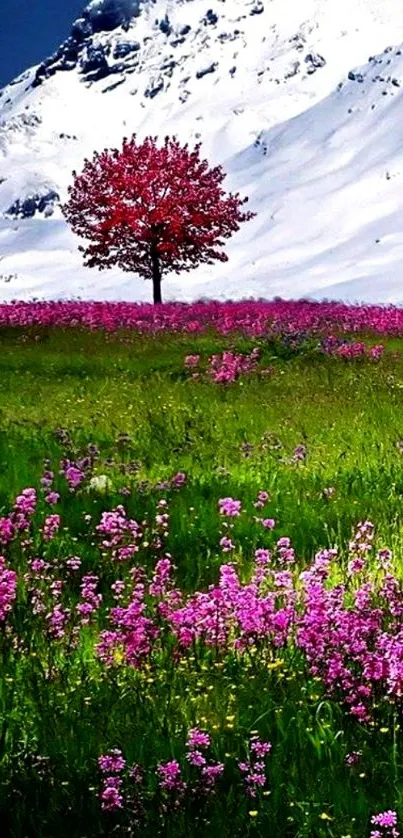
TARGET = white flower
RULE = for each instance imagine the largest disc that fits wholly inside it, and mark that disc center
(100, 483)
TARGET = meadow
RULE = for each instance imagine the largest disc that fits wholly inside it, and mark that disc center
(201, 570)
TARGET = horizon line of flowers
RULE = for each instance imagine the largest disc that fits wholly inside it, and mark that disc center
(252, 318)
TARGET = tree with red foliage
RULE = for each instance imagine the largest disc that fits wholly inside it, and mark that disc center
(150, 209)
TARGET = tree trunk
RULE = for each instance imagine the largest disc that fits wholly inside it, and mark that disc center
(157, 274)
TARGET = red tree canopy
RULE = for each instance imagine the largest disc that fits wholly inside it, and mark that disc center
(148, 209)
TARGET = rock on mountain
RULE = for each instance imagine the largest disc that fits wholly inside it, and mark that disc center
(300, 102)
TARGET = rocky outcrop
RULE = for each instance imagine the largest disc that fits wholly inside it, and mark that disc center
(106, 15)
(206, 70)
(314, 62)
(102, 16)
(29, 206)
(124, 48)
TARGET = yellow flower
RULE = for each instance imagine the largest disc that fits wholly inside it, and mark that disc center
(254, 813)
(275, 664)
(325, 817)
(118, 656)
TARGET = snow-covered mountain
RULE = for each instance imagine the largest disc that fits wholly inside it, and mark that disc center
(301, 101)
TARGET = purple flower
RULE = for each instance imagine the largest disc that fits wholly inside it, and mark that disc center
(192, 361)
(25, 503)
(260, 748)
(385, 819)
(57, 619)
(197, 738)
(8, 589)
(376, 352)
(73, 474)
(179, 480)
(262, 556)
(37, 565)
(262, 499)
(229, 507)
(226, 544)
(162, 578)
(284, 543)
(7, 530)
(112, 762)
(211, 773)
(52, 498)
(50, 527)
(356, 565)
(118, 588)
(196, 758)
(170, 776)
(74, 563)
(111, 797)
(253, 770)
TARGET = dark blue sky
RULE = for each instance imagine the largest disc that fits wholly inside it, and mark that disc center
(30, 30)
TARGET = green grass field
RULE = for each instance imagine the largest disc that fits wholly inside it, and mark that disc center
(61, 708)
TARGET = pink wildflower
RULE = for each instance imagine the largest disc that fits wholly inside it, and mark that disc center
(8, 589)
(229, 507)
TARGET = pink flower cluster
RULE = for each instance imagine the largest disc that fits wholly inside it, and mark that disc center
(192, 361)
(253, 319)
(349, 632)
(51, 527)
(161, 581)
(351, 638)
(8, 589)
(76, 472)
(133, 634)
(24, 509)
(262, 498)
(236, 615)
(170, 777)
(19, 519)
(120, 534)
(253, 769)
(209, 771)
(229, 615)
(90, 598)
(205, 774)
(229, 507)
(57, 620)
(351, 349)
(115, 774)
(51, 497)
(386, 825)
(229, 366)
(111, 766)
(355, 647)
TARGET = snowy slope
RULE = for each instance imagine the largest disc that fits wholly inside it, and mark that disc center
(300, 101)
